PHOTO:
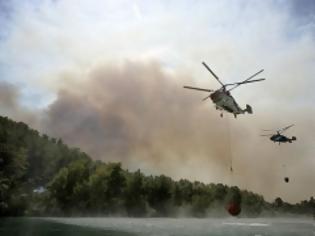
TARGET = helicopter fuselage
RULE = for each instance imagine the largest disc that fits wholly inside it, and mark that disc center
(279, 138)
(223, 100)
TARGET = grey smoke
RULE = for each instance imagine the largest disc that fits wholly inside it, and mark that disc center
(139, 114)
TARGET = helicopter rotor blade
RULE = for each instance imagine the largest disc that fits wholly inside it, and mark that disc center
(204, 99)
(248, 80)
(266, 134)
(270, 130)
(251, 81)
(214, 75)
(244, 82)
(199, 89)
(285, 128)
(279, 131)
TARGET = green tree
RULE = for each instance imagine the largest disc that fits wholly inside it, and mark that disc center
(70, 187)
(134, 195)
(252, 204)
(183, 192)
(12, 170)
(107, 184)
(159, 192)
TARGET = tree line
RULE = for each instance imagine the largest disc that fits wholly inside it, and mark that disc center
(42, 176)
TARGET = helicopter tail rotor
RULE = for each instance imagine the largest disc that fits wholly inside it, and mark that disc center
(248, 109)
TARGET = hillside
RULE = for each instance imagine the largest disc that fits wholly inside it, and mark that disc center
(40, 175)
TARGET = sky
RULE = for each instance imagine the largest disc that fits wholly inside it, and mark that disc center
(107, 76)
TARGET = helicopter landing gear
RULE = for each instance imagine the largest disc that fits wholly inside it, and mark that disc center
(221, 115)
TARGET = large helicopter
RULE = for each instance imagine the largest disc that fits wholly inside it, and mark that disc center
(222, 97)
(278, 137)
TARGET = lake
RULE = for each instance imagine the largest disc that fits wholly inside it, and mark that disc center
(156, 226)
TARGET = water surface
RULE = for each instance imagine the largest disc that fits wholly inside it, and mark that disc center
(156, 226)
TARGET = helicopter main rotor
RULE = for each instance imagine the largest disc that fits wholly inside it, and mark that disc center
(236, 84)
(278, 131)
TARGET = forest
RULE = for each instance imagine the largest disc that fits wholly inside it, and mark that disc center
(42, 176)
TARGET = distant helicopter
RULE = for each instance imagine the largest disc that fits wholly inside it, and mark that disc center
(222, 98)
(278, 137)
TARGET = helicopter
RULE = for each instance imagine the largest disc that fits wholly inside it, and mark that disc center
(222, 97)
(278, 137)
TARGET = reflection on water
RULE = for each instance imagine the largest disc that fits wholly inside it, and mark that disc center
(155, 227)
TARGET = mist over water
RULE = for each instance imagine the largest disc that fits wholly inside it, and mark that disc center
(194, 226)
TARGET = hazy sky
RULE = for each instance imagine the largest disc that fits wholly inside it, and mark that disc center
(107, 76)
